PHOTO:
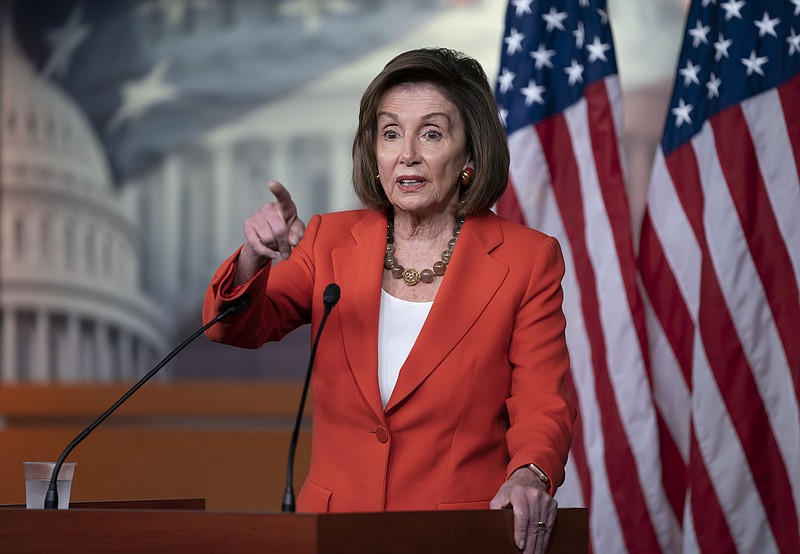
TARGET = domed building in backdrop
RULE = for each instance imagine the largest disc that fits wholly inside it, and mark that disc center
(72, 308)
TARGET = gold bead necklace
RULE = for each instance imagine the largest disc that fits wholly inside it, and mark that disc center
(411, 276)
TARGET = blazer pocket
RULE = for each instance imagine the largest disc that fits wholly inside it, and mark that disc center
(313, 498)
(473, 505)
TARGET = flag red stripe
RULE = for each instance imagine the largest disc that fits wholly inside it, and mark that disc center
(578, 450)
(674, 470)
(730, 368)
(508, 205)
(711, 527)
(738, 388)
(665, 297)
(789, 93)
(612, 186)
(728, 364)
(740, 166)
(683, 170)
(676, 322)
(626, 491)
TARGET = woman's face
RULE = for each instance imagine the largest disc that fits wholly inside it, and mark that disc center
(421, 149)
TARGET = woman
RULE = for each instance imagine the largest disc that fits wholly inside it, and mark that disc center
(435, 388)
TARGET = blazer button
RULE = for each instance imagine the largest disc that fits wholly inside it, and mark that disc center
(382, 434)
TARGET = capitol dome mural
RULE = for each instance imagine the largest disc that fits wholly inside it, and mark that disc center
(72, 306)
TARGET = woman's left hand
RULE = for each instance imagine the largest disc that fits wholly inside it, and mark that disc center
(532, 505)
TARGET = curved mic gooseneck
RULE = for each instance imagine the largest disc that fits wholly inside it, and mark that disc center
(329, 299)
(51, 498)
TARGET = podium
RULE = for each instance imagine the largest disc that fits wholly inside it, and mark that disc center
(185, 526)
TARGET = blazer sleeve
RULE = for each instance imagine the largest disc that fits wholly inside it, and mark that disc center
(281, 297)
(540, 413)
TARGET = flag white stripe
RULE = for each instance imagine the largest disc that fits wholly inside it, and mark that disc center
(748, 306)
(570, 494)
(532, 184)
(615, 99)
(531, 178)
(766, 120)
(670, 390)
(675, 234)
(690, 545)
(726, 462)
(631, 387)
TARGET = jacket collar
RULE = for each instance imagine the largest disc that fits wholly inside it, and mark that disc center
(471, 281)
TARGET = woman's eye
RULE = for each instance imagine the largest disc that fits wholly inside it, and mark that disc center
(432, 135)
(390, 135)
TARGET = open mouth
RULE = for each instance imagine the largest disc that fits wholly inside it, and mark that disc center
(410, 183)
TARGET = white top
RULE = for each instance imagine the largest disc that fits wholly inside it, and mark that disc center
(398, 328)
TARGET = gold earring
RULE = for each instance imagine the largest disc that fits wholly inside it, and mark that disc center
(466, 176)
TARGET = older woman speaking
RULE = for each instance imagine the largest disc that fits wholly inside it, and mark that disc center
(442, 377)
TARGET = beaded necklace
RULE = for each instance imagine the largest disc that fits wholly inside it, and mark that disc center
(411, 276)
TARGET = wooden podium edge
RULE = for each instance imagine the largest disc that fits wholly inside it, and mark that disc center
(130, 530)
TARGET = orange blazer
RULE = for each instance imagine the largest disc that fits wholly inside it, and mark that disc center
(481, 393)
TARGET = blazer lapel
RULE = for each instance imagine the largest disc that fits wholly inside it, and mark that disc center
(472, 279)
(356, 268)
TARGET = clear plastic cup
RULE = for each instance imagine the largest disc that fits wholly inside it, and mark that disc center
(37, 480)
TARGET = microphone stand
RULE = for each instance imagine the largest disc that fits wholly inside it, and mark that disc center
(329, 298)
(51, 498)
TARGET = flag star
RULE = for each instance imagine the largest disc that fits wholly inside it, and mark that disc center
(794, 42)
(506, 80)
(64, 42)
(681, 113)
(514, 41)
(767, 26)
(533, 93)
(522, 7)
(707, 2)
(503, 116)
(689, 73)
(699, 33)
(796, 7)
(732, 9)
(721, 46)
(140, 96)
(603, 16)
(575, 72)
(597, 50)
(585, 3)
(713, 86)
(753, 63)
(554, 19)
(542, 57)
(580, 34)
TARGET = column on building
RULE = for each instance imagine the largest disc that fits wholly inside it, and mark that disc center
(341, 178)
(105, 372)
(223, 200)
(39, 359)
(8, 356)
(71, 363)
(127, 371)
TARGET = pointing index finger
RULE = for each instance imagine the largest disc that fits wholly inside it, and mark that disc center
(281, 195)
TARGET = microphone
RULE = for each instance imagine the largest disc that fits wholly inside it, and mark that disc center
(329, 299)
(51, 498)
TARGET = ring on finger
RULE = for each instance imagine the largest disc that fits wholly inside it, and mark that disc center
(541, 526)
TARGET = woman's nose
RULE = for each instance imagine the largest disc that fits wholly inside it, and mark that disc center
(409, 155)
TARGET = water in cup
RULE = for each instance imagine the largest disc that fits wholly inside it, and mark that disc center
(37, 480)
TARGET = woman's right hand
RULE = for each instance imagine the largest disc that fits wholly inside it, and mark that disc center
(272, 232)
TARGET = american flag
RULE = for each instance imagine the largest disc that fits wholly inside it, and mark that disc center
(720, 267)
(559, 96)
